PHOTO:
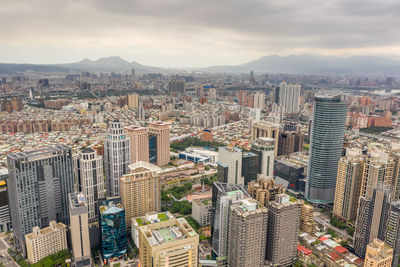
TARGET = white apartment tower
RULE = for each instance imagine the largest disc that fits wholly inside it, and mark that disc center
(90, 180)
(289, 97)
(117, 157)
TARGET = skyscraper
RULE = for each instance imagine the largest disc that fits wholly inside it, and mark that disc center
(348, 185)
(39, 184)
(371, 219)
(230, 165)
(289, 97)
(113, 231)
(139, 140)
(283, 227)
(392, 231)
(327, 135)
(264, 147)
(140, 190)
(224, 195)
(289, 142)
(133, 101)
(242, 98)
(159, 144)
(116, 156)
(259, 100)
(90, 180)
(176, 87)
(378, 255)
(247, 233)
(266, 129)
(80, 241)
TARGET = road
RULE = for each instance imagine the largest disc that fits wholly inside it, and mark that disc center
(324, 220)
(4, 257)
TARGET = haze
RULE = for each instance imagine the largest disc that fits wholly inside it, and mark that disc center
(179, 33)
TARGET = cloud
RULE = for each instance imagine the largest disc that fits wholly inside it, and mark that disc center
(195, 33)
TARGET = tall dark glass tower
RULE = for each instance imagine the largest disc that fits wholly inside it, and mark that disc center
(327, 133)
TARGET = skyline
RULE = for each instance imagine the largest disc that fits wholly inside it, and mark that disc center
(188, 34)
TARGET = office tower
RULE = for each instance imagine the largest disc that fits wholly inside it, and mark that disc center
(90, 180)
(39, 184)
(283, 228)
(264, 190)
(259, 100)
(292, 170)
(79, 230)
(140, 190)
(133, 101)
(117, 156)
(247, 233)
(5, 218)
(242, 98)
(289, 97)
(264, 147)
(206, 135)
(202, 211)
(348, 185)
(378, 255)
(307, 223)
(290, 142)
(250, 166)
(141, 113)
(139, 140)
(168, 243)
(230, 165)
(371, 219)
(378, 168)
(159, 144)
(47, 241)
(176, 87)
(113, 231)
(266, 129)
(392, 231)
(223, 196)
(327, 135)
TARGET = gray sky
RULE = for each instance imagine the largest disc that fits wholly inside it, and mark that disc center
(194, 33)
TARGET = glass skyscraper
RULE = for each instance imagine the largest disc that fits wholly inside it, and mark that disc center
(113, 232)
(327, 133)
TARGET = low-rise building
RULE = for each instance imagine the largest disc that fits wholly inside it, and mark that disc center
(47, 241)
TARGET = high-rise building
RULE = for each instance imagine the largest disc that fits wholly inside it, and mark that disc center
(90, 180)
(265, 190)
(266, 129)
(348, 185)
(140, 190)
(159, 144)
(392, 231)
(290, 142)
(117, 156)
(371, 219)
(38, 187)
(47, 241)
(307, 223)
(378, 255)
(80, 240)
(242, 98)
(250, 166)
(202, 211)
(264, 147)
(139, 140)
(176, 87)
(247, 233)
(230, 165)
(168, 243)
(327, 136)
(259, 100)
(113, 231)
(133, 101)
(224, 195)
(5, 218)
(289, 97)
(283, 227)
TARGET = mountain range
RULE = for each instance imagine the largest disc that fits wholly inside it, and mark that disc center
(301, 64)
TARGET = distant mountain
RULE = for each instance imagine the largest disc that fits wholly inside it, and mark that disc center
(317, 65)
(8, 68)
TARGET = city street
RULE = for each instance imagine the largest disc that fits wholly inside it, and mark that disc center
(324, 219)
(4, 257)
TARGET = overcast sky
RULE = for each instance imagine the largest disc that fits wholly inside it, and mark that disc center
(181, 33)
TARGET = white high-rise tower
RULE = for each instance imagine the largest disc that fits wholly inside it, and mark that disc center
(289, 97)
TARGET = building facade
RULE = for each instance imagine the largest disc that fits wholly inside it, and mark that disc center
(264, 190)
(90, 180)
(159, 143)
(39, 184)
(202, 211)
(139, 141)
(230, 165)
(266, 129)
(264, 147)
(378, 255)
(117, 156)
(289, 97)
(327, 134)
(141, 190)
(47, 241)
